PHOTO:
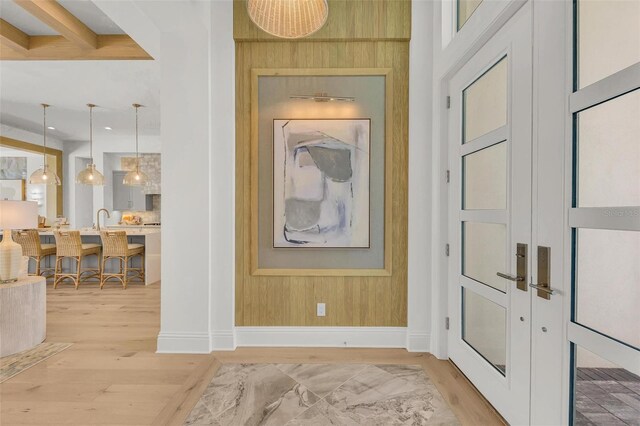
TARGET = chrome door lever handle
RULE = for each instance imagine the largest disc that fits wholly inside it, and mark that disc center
(509, 277)
(542, 287)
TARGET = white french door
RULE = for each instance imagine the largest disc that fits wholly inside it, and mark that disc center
(544, 273)
(490, 160)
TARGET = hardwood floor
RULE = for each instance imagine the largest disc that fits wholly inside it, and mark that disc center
(112, 375)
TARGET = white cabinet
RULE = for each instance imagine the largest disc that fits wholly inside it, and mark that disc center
(127, 197)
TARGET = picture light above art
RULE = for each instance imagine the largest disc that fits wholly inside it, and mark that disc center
(323, 97)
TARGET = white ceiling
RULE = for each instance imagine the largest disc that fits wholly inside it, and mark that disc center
(84, 10)
(69, 85)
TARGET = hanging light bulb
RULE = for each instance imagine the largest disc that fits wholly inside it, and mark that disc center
(44, 175)
(135, 177)
(90, 175)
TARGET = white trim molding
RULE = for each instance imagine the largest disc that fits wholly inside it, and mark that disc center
(335, 337)
(223, 340)
(183, 343)
(418, 342)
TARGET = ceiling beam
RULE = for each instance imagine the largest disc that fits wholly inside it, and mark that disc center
(109, 47)
(58, 18)
(13, 37)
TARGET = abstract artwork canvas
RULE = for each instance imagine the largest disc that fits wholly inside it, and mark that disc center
(321, 183)
(13, 167)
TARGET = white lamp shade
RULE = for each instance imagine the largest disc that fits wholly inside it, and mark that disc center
(18, 214)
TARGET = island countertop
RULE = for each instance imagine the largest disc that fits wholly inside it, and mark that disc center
(92, 231)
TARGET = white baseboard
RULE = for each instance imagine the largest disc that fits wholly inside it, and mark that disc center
(339, 337)
(418, 342)
(183, 343)
(223, 340)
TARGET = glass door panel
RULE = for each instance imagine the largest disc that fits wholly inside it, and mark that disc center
(609, 153)
(484, 253)
(485, 102)
(607, 36)
(607, 289)
(484, 328)
(485, 178)
(465, 10)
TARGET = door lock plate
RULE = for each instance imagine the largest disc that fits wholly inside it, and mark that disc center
(544, 274)
(521, 265)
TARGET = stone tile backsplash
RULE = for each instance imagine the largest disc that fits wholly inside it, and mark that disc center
(149, 164)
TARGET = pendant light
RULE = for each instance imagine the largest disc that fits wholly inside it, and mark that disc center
(136, 177)
(44, 175)
(90, 175)
(288, 18)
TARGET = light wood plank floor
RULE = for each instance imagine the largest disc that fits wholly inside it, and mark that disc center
(112, 375)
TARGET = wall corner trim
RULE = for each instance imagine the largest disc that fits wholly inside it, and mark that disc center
(336, 337)
(183, 343)
(223, 340)
(418, 341)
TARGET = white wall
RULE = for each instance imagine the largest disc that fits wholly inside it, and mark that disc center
(420, 188)
(222, 160)
(186, 173)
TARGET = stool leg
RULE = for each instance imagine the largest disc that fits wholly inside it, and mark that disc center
(79, 263)
(37, 259)
(142, 259)
(104, 259)
(125, 277)
(56, 272)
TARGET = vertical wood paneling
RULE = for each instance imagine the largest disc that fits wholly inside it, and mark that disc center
(351, 301)
(348, 20)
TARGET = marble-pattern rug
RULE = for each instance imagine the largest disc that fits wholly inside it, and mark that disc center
(17, 363)
(320, 394)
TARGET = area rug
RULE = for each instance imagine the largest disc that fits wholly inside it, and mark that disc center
(321, 394)
(17, 363)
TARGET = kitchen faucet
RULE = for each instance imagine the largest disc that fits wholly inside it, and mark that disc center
(98, 217)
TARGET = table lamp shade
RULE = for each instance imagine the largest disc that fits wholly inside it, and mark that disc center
(14, 215)
(18, 214)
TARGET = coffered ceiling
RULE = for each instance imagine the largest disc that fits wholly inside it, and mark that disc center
(68, 84)
(62, 30)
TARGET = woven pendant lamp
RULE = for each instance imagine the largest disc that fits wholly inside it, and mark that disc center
(288, 18)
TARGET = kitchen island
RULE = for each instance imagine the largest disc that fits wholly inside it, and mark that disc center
(150, 237)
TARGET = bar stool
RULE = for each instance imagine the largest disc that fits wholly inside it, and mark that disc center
(69, 245)
(29, 239)
(116, 246)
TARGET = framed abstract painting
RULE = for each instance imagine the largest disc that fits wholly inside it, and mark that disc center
(321, 183)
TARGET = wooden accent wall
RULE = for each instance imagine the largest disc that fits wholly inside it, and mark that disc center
(358, 34)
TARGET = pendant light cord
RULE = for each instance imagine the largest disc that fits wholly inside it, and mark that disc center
(44, 134)
(137, 155)
(91, 131)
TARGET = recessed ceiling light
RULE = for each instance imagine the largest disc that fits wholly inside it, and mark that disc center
(51, 128)
(108, 128)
